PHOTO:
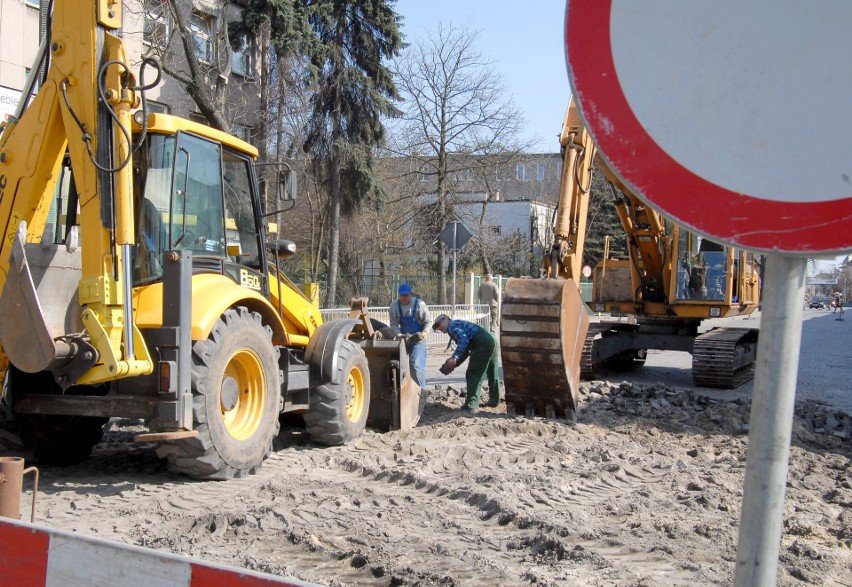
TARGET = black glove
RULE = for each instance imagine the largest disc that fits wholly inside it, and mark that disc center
(446, 369)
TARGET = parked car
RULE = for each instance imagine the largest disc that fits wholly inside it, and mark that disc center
(815, 305)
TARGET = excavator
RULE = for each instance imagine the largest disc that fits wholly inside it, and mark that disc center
(670, 282)
(139, 279)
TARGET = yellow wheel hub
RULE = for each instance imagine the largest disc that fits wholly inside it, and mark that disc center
(242, 394)
(355, 405)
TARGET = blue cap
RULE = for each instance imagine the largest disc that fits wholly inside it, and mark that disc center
(405, 289)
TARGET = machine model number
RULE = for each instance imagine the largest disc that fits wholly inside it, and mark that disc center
(249, 280)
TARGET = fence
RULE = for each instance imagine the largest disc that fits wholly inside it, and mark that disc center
(472, 313)
(383, 289)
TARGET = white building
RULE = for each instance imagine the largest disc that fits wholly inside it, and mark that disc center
(494, 220)
(19, 41)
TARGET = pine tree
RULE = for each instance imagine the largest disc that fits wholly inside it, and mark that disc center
(354, 89)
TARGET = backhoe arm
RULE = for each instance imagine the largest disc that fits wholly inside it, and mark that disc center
(82, 107)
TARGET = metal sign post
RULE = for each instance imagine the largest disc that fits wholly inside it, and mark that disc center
(772, 402)
(455, 235)
(655, 80)
(455, 238)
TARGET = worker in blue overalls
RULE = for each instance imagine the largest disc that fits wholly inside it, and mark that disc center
(411, 316)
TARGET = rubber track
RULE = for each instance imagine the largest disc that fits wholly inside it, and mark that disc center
(626, 361)
(723, 358)
(587, 368)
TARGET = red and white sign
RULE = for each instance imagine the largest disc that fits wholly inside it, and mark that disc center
(36, 556)
(732, 117)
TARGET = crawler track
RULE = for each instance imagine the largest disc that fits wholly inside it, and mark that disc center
(724, 357)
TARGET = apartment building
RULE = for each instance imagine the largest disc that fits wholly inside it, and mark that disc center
(149, 30)
(505, 201)
(19, 41)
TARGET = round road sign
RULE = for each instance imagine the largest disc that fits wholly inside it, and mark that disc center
(732, 117)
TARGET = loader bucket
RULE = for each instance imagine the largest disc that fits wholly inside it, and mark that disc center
(396, 401)
(543, 326)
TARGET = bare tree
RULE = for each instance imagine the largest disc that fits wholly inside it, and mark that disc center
(457, 107)
(194, 50)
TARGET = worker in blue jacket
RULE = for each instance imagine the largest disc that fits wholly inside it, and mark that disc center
(481, 346)
(410, 315)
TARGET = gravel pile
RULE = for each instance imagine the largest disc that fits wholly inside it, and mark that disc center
(687, 407)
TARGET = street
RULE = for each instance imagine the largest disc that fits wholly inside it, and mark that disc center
(825, 363)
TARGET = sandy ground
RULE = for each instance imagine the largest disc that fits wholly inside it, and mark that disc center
(644, 489)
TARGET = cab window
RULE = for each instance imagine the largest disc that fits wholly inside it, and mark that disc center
(240, 220)
(197, 211)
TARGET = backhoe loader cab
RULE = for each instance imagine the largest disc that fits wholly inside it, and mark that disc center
(195, 194)
(137, 280)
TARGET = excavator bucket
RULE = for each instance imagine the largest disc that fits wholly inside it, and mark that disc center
(543, 327)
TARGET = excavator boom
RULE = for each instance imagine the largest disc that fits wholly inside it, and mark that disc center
(669, 283)
(544, 321)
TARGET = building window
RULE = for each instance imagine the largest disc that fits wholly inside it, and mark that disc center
(156, 27)
(157, 107)
(199, 29)
(465, 174)
(522, 172)
(496, 230)
(244, 58)
(539, 171)
(199, 118)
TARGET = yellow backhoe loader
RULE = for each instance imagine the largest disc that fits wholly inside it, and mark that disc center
(137, 279)
(671, 281)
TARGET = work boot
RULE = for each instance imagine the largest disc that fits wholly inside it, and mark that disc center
(493, 402)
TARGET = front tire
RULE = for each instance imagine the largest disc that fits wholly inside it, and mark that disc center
(338, 412)
(236, 397)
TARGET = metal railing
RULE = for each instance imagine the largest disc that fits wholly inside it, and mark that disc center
(476, 313)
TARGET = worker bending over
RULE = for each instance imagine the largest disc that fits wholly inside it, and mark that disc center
(476, 342)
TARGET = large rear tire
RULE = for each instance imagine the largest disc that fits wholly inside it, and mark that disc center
(236, 395)
(55, 440)
(338, 412)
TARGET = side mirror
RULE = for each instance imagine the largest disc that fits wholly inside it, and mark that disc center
(283, 247)
(286, 185)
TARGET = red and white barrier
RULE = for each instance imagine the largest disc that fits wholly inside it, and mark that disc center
(37, 556)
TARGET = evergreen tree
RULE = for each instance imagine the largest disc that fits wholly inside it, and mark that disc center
(354, 89)
(603, 221)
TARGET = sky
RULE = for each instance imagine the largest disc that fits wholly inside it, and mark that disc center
(525, 44)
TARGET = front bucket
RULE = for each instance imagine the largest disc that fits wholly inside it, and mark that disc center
(396, 401)
(543, 326)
